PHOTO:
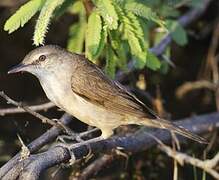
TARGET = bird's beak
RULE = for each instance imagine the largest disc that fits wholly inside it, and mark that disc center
(20, 67)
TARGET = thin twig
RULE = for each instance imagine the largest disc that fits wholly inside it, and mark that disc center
(211, 62)
(44, 119)
(25, 153)
(95, 166)
(40, 107)
(191, 86)
(181, 158)
(88, 6)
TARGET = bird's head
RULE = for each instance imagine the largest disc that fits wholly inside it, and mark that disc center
(42, 60)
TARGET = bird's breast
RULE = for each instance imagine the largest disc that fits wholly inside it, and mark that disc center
(60, 93)
(56, 88)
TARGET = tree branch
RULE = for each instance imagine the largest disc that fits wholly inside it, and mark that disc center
(37, 115)
(38, 143)
(40, 107)
(207, 165)
(36, 164)
(97, 166)
(182, 90)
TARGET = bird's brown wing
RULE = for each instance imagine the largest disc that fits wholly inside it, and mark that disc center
(89, 82)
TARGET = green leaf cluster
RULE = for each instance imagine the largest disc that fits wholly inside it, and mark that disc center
(177, 32)
(95, 36)
(124, 34)
(112, 30)
(77, 30)
(114, 33)
(27, 11)
(108, 13)
(23, 15)
(44, 19)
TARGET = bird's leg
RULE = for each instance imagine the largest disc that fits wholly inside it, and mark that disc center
(76, 136)
(86, 143)
(105, 134)
(86, 133)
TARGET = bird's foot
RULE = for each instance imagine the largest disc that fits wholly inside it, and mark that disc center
(119, 152)
(78, 138)
(86, 143)
(72, 159)
(66, 138)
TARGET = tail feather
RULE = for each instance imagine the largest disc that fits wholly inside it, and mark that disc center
(164, 124)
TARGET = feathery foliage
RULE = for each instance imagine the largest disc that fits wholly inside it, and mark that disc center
(177, 32)
(94, 36)
(144, 11)
(110, 30)
(108, 13)
(119, 49)
(133, 33)
(77, 30)
(153, 62)
(76, 40)
(111, 60)
(44, 20)
(23, 15)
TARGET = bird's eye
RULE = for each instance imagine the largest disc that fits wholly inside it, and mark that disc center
(42, 58)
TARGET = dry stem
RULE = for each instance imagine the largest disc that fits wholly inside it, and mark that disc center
(40, 107)
(37, 115)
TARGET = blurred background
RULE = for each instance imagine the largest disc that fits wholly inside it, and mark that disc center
(162, 90)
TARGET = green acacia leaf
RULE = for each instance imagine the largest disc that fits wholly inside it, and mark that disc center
(76, 37)
(133, 33)
(119, 48)
(78, 8)
(153, 62)
(23, 15)
(95, 36)
(43, 21)
(144, 11)
(108, 12)
(111, 61)
(102, 41)
(177, 32)
(77, 30)
(66, 6)
(164, 68)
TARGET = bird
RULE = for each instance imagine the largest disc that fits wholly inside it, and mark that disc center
(80, 88)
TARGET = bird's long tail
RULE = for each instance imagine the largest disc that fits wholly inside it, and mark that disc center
(164, 124)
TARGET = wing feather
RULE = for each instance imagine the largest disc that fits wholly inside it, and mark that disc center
(89, 82)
